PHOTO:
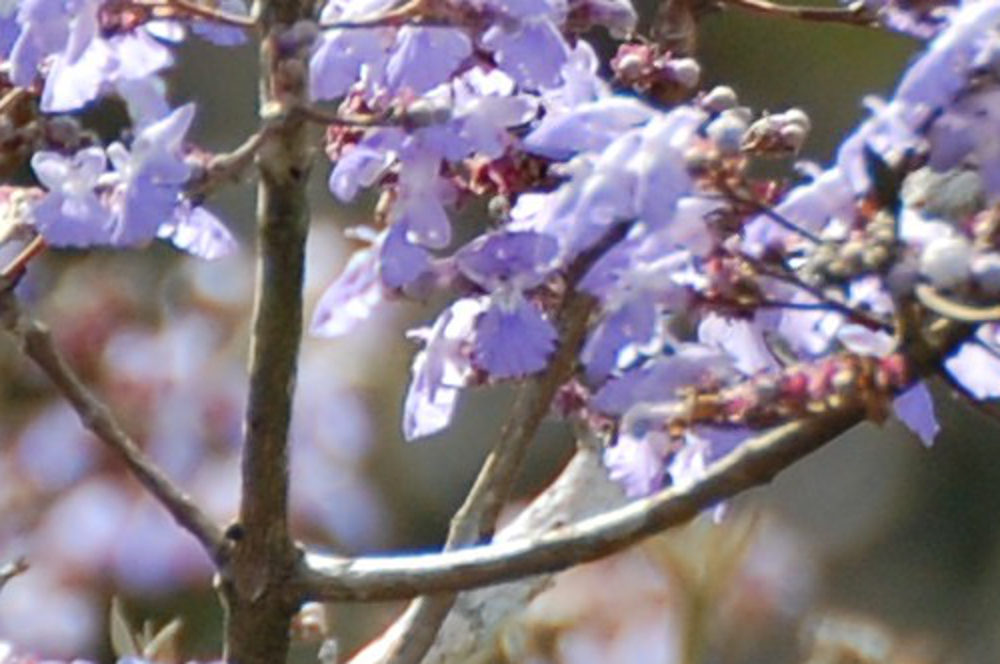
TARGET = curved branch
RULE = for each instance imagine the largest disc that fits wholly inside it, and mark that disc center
(756, 463)
(853, 14)
(202, 11)
(943, 305)
(36, 342)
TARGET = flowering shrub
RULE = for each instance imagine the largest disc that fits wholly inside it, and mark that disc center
(633, 274)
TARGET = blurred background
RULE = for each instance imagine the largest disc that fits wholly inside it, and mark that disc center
(874, 548)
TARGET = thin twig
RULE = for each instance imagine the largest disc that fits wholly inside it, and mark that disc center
(321, 116)
(854, 14)
(228, 166)
(789, 277)
(415, 631)
(14, 268)
(413, 11)
(37, 343)
(771, 213)
(198, 10)
(395, 21)
(11, 569)
(943, 305)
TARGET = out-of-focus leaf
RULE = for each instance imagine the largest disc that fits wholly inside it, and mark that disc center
(162, 646)
(123, 642)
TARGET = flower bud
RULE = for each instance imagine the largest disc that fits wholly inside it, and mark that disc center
(945, 261)
(727, 131)
(685, 71)
(720, 98)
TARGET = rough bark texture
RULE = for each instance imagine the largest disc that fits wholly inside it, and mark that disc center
(254, 583)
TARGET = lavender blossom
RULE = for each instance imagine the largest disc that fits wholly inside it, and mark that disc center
(440, 370)
(506, 265)
(71, 214)
(915, 409)
(150, 178)
(351, 299)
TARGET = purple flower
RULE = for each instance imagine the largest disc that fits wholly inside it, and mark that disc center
(351, 299)
(937, 76)
(83, 61)
(638, 462)
(485, 105)
(341, 56)
(45, 29)
(977, 369)
(703, 445)
(422, 195)
(631, 324)
(915, 409)
(145, 98)
(658, 380)
(150, 178)
(809, 206)
(402, 265)
(440, 370)
(533, 52)
(741, 339)
(70, 214)
(512, 337)
(640, 175)
(424, 57)
(661, 174)
(362, 165)
(518, 260)
(586, 127)
(637, 286)
(967, 135)
(198, 232)
(506, 264)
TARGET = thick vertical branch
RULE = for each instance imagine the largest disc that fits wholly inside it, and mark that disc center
(258, 607)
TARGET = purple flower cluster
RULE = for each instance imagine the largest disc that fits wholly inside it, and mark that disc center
(713, 283)
(85, 51)
(137, 200)
(81, 50)
(464, 95)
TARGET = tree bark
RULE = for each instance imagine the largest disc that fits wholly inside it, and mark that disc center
(254, 582)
